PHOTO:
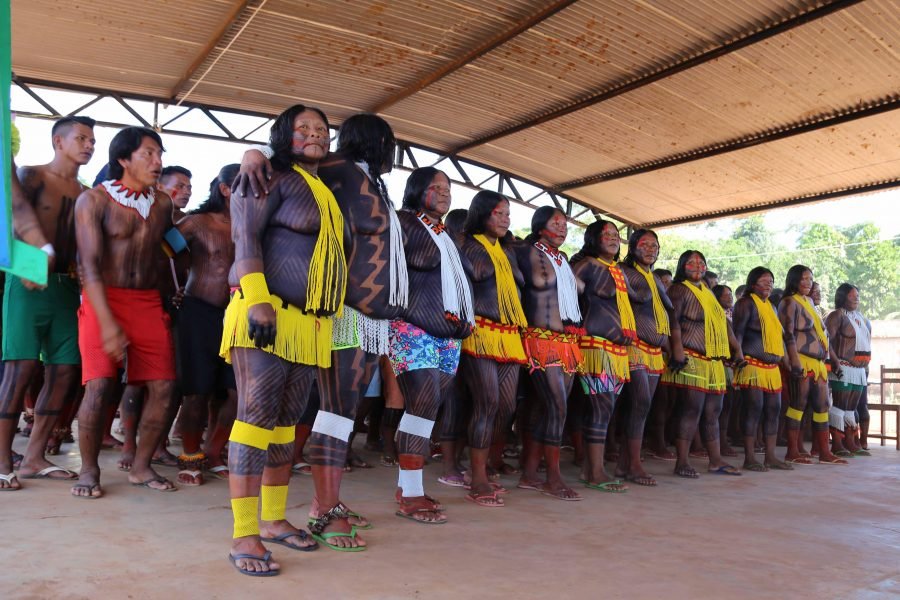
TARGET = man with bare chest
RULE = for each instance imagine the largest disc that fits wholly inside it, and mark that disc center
(120, 226)
(849, 335)
(204, 375)
(42, 323)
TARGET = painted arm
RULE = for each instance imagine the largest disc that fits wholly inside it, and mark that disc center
(677, 360)
(249, 218)
(737, 353)
(25, 222)
(787, 315)
(89, 237)
(256, 172)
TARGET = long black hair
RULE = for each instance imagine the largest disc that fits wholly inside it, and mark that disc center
(793, 277)
(539, 221)
(368, 138)
(281, 135)
(592, 235)
(633, 240)
(123, 146)
(416, 185)
(480, 210)
(840, 294)
(215, 202)
(680, 270)
(753, 276)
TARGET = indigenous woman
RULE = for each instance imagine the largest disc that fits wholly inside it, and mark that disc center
(725, 297)
(550, 301)
(652, 312)
(609, 329)
(493, 354)
(758, 331)
(706, 336)
(851, 340)
(807, 349)
(425, 341)
(292, 275)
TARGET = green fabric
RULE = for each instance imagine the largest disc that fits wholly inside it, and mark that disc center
(41, 323)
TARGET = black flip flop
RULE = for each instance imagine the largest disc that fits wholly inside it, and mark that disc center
(281, 540)
(265, 558)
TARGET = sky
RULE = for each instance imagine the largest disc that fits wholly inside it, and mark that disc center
(204, 158)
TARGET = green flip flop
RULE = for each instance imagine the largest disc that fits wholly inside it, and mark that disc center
(606, 486)
(323, 538)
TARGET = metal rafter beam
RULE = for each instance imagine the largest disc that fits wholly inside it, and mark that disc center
(634, 84)
(214, 40)
(780, 133)
(793, 201)
(476, 52)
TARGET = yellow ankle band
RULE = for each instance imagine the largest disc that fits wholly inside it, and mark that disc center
(245, 521)
(250, 435)
(820, 417)
(254, 288)
(797, 415)
(284, 435)
(274, 502)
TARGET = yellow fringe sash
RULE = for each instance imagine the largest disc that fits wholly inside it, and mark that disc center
(300, 337)
(326, 282)
(626, 314)
(814, 367)
(495, 341)
(715, 325)
(508, 301)
(772, 331)
(817, 321)
(758, 375)
(602, 357)
(659, 309)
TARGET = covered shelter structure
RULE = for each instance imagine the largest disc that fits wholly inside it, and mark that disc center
(654, 113)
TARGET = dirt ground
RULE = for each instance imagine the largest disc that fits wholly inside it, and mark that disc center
(817, 532)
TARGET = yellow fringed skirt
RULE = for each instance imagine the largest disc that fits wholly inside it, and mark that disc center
(701, 373)
(758, 375)
(299, 337)
(602, 357)
(496, 341)
(642, 355)
(814, 368)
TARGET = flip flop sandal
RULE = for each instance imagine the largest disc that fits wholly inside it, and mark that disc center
(410, 516)
(607, 486)
(302, 468)
(323, 538)
(836, 461)
(481, 500)
(8, 479)
(780, 466)
(800, 460)
(159, 479)
(843, 453)
(563, 498)
(726, 470)
(667, 458)
(45, 474)
(862, 452)
(356, 515)
(687, 472)
(281, 540)
(531, 486)
(389, 461)
(219, 472)
(646, 481)
(453, 480)
(233, 558)
(756, 468)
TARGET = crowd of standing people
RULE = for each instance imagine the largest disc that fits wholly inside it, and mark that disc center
(297, 306)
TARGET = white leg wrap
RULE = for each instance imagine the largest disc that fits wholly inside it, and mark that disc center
(414, 425)
(410, 481)
(836, 418)
(333, 425)
(850, 419)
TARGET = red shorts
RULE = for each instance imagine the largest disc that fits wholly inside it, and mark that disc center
(150, 355)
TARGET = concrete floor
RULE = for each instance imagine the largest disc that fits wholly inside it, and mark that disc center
(817, 532)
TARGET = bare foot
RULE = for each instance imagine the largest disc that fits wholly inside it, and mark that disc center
(111, 442)
(126, 461)
(164, 459)
(88, 487)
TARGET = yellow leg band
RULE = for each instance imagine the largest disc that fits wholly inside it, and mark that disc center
(250, 435)
(245, 521)
(797, 415)
(274, 502)
(284, 435)
(254, 288)
(820, 417)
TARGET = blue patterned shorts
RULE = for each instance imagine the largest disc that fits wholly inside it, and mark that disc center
(411, 348)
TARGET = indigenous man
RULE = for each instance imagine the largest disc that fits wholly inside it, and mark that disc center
(203, 373)
(290, 265)
(652, 313)
(807, 349)
(707, 337)
(550, 301)
(377, 292)
(610, 329)
(44, 321)
(851, 340)
(120, 226)
(175, 181)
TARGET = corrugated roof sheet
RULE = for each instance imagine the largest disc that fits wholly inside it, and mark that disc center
(263, 55)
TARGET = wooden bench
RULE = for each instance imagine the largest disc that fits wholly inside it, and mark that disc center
(889, 376)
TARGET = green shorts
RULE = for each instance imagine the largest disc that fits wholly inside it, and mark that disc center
(41, 324)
